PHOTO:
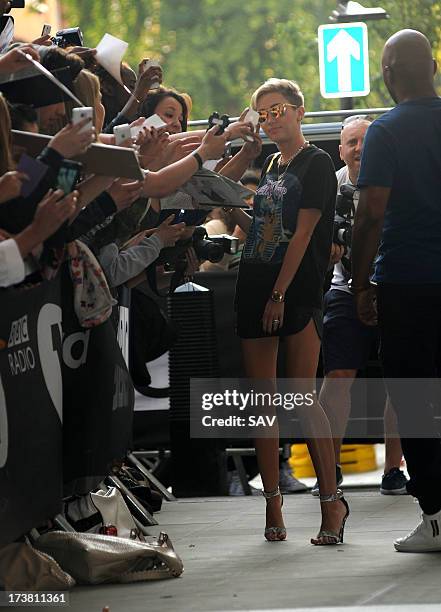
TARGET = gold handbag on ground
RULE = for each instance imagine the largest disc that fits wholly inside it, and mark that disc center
(22, 568)
(96, 559)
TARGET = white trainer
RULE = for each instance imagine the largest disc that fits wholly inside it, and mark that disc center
(426, 537)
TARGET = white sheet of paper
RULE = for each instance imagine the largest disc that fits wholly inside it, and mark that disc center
(210, 190)
(211, 164)
(110, 51)
(7, 35)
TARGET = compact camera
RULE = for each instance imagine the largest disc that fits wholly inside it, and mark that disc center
(70, 37)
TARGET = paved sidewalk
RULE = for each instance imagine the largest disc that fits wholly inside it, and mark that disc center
(229, 566)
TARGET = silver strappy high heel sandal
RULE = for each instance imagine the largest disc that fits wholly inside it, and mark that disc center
(274, 534)
(333, 537)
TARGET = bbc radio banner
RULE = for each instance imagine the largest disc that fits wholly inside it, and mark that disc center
(66, 404)
(30, 409)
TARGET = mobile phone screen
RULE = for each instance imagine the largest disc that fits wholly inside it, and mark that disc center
(68, 176)
(189, 217)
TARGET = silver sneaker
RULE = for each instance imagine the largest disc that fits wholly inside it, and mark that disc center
(287, 483)
(426, 536)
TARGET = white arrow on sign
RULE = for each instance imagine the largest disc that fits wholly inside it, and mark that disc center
(342, 47)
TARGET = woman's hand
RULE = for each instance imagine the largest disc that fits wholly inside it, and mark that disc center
(239, 129)
(152, 143)
(43, 41)
(124, 193)
(273, 315)
(52, 212)
(15, 60)
(178, 149)
(11, 184)
(170, 234)
(213, 144)
(252, 150)
(145, 80)
(72, 141)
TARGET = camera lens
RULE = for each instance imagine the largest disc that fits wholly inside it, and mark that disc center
(207, 250)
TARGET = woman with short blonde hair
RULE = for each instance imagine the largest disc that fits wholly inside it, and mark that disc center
(279, 291)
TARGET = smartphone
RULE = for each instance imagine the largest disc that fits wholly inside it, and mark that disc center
(154, 121)
(47, 28)
(152, 64)
(68, 175)
(83, 112)
(122, 133)
(187, 216)
(252, 116)
(17, 4)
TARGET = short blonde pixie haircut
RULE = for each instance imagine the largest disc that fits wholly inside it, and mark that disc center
(289, 89)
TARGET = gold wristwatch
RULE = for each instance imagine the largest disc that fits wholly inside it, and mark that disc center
(277, 296)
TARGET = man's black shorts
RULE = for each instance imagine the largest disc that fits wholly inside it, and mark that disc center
(346, 342)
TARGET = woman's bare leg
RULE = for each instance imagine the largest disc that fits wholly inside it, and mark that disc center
(260, 360)
(302, 360)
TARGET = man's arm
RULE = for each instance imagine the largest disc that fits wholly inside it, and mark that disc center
(367, 232)
(366, 235)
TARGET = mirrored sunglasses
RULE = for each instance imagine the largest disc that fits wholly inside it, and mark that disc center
(276, 111)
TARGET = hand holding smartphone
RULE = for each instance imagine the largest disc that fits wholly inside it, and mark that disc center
(154, 121)
(152, 64)
(252, 116)
(47, 28)
(84, 112)
(122, 134)
(68, 175)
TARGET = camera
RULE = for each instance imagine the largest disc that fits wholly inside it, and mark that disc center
(207, 248)
(222, 122)
(70, 37)
(344, 215)
(17, 4)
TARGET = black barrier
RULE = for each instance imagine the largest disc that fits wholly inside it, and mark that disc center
(53, 370)
(30, 409)
(98, 396)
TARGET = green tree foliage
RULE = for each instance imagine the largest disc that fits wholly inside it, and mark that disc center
(220, 51)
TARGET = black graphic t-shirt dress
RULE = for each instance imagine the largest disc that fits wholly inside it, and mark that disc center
(309, 182)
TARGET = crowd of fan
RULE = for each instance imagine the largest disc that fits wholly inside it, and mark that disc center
(48, 218)
(109, 223)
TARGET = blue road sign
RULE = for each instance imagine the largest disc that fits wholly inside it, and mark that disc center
(344, 60)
